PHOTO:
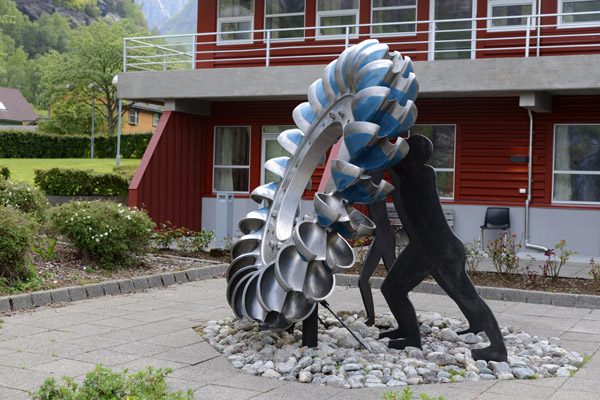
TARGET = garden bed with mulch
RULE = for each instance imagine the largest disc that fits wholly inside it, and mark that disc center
(68, 268)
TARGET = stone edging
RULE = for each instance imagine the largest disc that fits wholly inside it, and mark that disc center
(492, 293)
(109, 288)
(122, 286)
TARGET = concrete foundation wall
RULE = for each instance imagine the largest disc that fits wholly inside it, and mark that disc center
(548, 226)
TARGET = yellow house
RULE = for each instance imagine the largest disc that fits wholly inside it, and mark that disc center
(141, 117)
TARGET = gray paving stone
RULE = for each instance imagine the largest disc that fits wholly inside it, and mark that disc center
(514, 295)
(180, 277)
(111, 288)
(21, 301)
(376, 282)
(77, 293)
(539, 297)
(94, 290)
(140, 283)
(564, 299)
(126, 285)
(193, 274)
(490, 293)
(154, 281)
(587, 301)
(41, 298)
(60, 295)
(168, 279)
(4, 304)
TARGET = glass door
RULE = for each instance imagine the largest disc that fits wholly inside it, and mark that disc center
(453, 39)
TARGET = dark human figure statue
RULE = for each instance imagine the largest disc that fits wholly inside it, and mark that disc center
(383, 247)
(433, 249)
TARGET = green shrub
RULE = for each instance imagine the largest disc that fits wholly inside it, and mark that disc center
(17, 144)
(17, 233)
(4, 172)
(104, 384)
(125, 171)
(25, 197)
(103, 231)
(74, 182)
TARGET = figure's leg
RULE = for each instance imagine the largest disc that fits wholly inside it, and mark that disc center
(368, 268)
(455, 281)
(408, 271)
(384, 246)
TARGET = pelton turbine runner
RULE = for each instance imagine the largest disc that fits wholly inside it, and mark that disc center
(284, 265)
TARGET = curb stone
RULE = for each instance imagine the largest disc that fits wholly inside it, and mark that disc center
(492, 293)
(93, 290)
(21, 301)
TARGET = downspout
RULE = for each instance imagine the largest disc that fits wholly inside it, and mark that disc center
(529, 176)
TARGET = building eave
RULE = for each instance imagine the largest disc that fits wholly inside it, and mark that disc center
(493, 77)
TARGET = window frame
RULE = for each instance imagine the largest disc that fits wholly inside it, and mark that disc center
(570, 202)
(373, 9)
(493, 3)
(336, 13)
(453, 169)
(292, 39)
(155, 120)
(566, 25)
(136, 116)
(220, 21)
(214, 167)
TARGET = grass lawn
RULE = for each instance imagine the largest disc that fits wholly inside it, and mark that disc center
(22, 168)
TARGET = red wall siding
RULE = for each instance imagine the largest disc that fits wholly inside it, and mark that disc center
(170, 177)
(553, 42)
(490, 131)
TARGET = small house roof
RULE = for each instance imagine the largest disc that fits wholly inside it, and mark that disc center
(14, 106)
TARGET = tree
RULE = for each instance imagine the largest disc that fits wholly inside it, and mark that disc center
(94, 56)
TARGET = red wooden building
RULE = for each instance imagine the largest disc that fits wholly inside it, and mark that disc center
(500, 80)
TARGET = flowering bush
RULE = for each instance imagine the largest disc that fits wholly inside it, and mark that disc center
(106, 232)
(25, 197)
(17, 232)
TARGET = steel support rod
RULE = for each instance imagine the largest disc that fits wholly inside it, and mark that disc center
(326, 305)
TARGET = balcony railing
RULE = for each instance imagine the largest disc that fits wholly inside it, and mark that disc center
(534, 36)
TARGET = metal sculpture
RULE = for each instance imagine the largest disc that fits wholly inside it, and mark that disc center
(432, 249)
(283, 265)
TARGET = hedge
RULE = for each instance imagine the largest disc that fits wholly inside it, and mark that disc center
(73, 182)
(4, 172)
(17, 144)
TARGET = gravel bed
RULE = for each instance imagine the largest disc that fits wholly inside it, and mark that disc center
(340, 361)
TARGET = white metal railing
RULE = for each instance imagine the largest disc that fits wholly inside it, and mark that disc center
(541, 33)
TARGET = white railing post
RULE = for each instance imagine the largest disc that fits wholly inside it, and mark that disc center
(194, 38)
(527, 36)
(124, 55)
(164, 59)
(347, 43)
(268, 55)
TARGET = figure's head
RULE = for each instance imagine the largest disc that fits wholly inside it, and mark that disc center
(421, 149)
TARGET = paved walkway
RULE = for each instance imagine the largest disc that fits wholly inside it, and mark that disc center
(154, 328)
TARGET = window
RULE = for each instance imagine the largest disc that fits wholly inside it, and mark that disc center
(515, 11)
(284, 14)
(442, 160)
(337, 12)
(235, 16)
(576, 163)
(133, 116)
(386, 11)
(592, 7)
(271, 149)
(155, 119)
(232, 159)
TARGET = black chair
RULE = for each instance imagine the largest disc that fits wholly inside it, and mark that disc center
(496, 218)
